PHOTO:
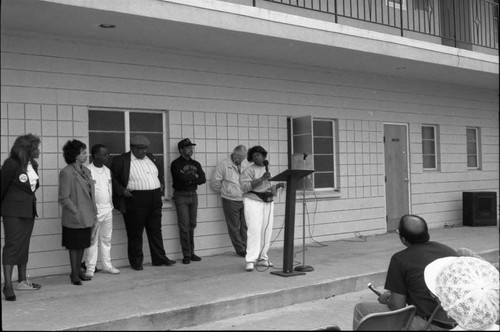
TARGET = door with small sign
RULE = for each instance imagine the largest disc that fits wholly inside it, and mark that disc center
(396, 173)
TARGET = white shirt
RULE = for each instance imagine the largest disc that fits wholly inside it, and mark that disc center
(32, 176)
(102, 183)
(143, 174)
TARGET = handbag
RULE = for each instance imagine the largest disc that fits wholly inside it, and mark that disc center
(266, 196)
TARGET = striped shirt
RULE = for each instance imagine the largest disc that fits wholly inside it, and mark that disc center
(143, 174)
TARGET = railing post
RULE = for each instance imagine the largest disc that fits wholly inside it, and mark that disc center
(455, 24)
(335, 9)
(401, 17)
(254, 3)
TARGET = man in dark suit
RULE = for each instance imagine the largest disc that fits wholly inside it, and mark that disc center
(138, 182)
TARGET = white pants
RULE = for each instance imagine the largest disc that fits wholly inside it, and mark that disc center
(101, 236)
(259, 218)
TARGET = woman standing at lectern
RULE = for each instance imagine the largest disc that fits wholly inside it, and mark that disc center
(258, 195)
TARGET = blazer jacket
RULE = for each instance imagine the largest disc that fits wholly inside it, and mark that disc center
(78, 204)
(120, 173)
(16, 197)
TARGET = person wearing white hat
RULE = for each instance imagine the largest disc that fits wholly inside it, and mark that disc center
(468, 289)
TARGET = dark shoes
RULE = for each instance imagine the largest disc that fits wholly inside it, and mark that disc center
(84, 277)
(195, 258)
(9, 294)
(76, 282)
(138, 268)
(168, 262)
(241, 253)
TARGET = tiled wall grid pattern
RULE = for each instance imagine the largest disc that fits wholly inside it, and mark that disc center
(55, 125)
(360, 155)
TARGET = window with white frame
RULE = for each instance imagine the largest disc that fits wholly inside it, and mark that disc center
(113, 128)
(472, 147)
(429, 147)
(314, 147)
(396, 3)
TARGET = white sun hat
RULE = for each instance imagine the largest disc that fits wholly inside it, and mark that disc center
(468, 289)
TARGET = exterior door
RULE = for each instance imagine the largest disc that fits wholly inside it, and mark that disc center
(396, 173)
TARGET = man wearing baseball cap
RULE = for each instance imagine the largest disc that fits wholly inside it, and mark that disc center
(468, 289)
(187, 175)
(138, 183)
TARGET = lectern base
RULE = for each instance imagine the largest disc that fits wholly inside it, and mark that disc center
(287, 274)
(304, 268)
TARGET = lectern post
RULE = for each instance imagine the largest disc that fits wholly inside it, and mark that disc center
(291, 176)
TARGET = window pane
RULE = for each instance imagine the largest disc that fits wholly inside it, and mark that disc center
(323, 180)
(429, 162)
(302, 144)
(471, 148)
(471, 161)
(323, 163)
(301, 125)
(428, 147)
(115, 142)
(146, 122)
(106, 121)
(323, 145)
(323, 128)
(471, 135)
(427, 132)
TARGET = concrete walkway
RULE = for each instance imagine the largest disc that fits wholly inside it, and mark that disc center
(217, 288)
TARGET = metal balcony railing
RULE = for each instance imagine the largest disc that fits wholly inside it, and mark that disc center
(458, 23)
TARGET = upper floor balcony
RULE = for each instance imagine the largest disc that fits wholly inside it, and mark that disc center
(466, 24)
(365, 36)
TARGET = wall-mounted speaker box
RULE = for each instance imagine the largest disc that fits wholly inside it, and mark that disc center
(479, 208)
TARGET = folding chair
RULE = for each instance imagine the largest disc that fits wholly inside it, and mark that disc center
(396, 320)
(442, 320)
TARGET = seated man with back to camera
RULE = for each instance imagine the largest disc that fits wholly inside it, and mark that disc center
(405, 277)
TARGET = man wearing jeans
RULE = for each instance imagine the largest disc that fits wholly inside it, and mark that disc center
(226, 181)
(103, 228)
(187, 174)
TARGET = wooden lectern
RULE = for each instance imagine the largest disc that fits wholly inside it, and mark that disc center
(291, 176)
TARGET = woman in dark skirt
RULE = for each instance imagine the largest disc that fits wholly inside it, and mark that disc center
(19, 180)
(77, 198)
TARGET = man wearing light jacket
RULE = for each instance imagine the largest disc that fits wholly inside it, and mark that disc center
(226, 181)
